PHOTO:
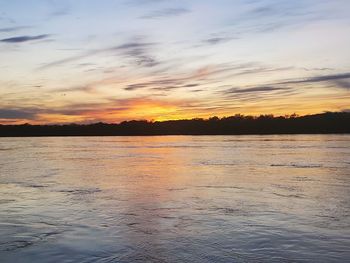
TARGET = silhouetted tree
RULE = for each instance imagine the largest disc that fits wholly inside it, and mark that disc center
(329, 122)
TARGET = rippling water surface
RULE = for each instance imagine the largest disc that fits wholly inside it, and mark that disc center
(175, 199)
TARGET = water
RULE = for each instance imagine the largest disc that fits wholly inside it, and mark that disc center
(175, 199)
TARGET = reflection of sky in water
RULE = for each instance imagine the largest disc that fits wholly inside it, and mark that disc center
(175, 198)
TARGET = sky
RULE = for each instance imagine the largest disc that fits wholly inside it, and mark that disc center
(84, 61)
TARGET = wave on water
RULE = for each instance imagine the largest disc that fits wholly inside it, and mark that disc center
(80, 191)
(296, 165)
(288, 195)
(27, 241)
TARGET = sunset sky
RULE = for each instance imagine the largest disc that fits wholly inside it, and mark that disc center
(114, 60)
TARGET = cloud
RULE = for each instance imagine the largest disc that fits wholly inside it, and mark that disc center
(342, 84)
(83, 88)
(159, 84)
(21, 39)
(339, 80)
(216, 40)
(203, 74)
(271, 16)
(136, 86)
(190, 85)
(60, 12)
(68, 60)
(253, 89)
(18, 113)
(317, 69)
(319, 78)
(143, 2)
(167, 12)
(13, 29)
(137, 50)
(258, 70)
(167, 88)
(133, 45)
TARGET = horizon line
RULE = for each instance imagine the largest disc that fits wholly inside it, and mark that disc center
(285, 116)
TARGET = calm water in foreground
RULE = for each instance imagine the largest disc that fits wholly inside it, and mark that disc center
(175, 199)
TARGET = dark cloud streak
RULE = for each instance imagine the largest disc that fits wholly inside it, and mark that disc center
(18, 114)
(167, 12)
(21, 39)
(136, 49)
(332, 77)
(253, 89)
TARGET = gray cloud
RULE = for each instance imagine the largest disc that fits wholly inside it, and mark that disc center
(332, 77)
(136, 50)
(258, 70)
(86, 88)
(160, 84)
(18, 114)
(253, 89)
(268, 17)
(136, 86)
(133, 45)
(270, 90)
(21, 39)
(166, 88)
(13, 29)
(202, 74)
(139, 52)
(342, 84)
(216, 40)
(167, 12)
(68, 60)
(337, 79)
(191, 85)
(317, 69)
(60, 12)
(32, 113)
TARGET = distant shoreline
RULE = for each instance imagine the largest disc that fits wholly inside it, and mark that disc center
(165, 135)
(324, 123)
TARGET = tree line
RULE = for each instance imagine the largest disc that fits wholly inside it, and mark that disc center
(329, 122)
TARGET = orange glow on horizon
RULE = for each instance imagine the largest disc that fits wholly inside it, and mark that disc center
(163, 110)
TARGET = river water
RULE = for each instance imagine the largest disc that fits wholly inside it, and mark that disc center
(275, 198)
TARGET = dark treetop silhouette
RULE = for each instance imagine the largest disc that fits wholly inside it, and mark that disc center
(330, 122)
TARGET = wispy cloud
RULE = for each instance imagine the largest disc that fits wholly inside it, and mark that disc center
(137, 50)
(60, 12)
(84, 88)
(332, 77)
(253, 89)
(143, 2)
(13, 29)
(21, 39)
(339, 80)
(202, 75)
(167, 12)
(269, 16)
(216, 40)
